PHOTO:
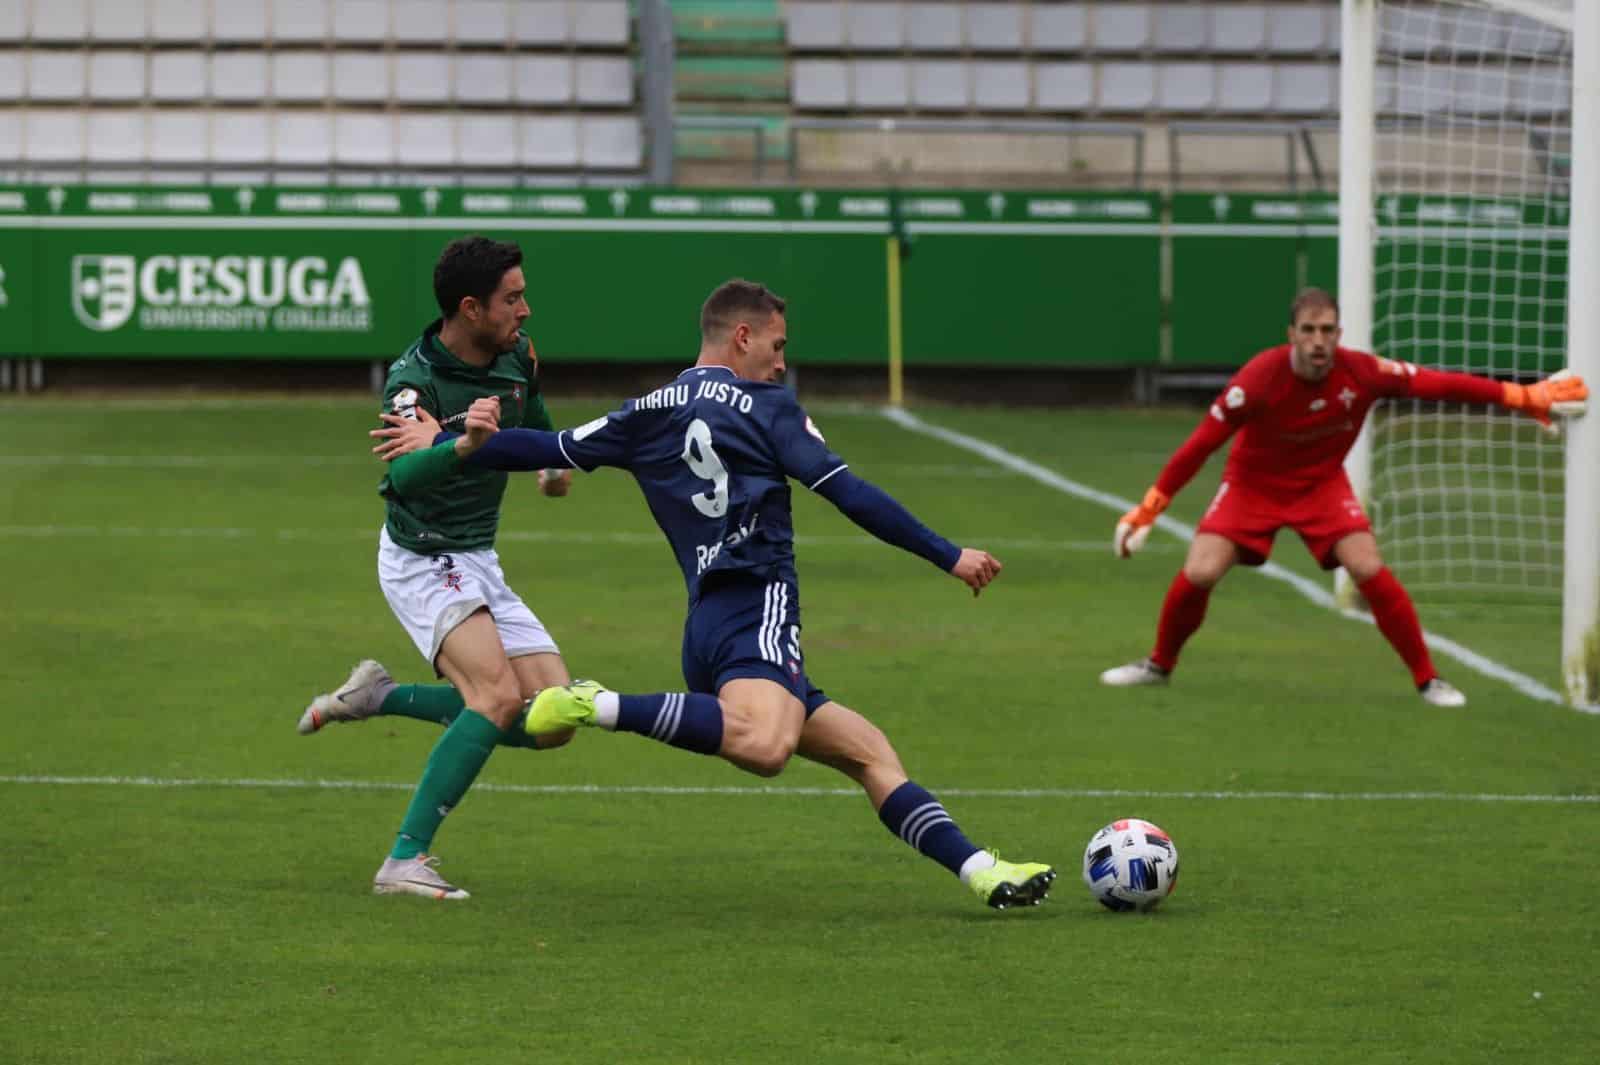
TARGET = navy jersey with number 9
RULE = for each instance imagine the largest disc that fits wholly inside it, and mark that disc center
(713, 454)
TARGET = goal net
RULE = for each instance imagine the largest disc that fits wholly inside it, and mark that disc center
(1470, 172)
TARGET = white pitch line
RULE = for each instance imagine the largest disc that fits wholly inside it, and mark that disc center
(1306, 587)
(526, 536)
(760, 791)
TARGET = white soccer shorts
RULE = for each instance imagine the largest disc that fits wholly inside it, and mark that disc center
(432, 594)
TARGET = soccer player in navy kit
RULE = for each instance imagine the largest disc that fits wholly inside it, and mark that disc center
(713, 451)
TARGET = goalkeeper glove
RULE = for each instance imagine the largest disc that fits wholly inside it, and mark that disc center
(1562, 393)
(1134, 528)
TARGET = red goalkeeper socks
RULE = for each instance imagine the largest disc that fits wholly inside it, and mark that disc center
(1181, 614)
(1397, 620)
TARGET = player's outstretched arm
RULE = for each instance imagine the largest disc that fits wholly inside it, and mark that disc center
(1133, 529)
(882, 515)
(1563, 394)
(417, 463)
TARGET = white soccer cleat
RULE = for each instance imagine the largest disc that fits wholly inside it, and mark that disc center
(1440, 692)
(356, 700)
(414, 876)
(1135, 674)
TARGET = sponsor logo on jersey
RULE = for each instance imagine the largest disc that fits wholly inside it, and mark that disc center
(226, 293)
(1347, 397)
(1318, 403)
(811, 427)
(1234, 398)
(405, 403)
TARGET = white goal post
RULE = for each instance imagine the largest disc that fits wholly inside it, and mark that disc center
(1469, 239)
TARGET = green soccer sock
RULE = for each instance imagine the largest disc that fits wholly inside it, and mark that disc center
(441, 704)
(456, 760)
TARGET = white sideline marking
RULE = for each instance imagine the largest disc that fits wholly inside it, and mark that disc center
(1306, 587)
(759, 791)
(534, 536)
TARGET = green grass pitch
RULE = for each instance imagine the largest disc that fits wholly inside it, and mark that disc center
(1365, 879)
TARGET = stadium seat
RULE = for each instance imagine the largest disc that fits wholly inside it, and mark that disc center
(1480, 91)
(1122, 28)
(482, 79)
(1186, 87)
(299, 21)
(422, 77)
(1243, 88)
(177, 137)
(940, 85)
(1238, 29)
(1423, 90)
(1127, 87)
(360, 21)
(176, 76)
(1412, 31)
(601, 22)
(13, 28)
(302, 138)
(1478, 31)
(1525, 36)
(549, 142)
(57, 20)
(239, 76)
(1305, 88)
(177, 21)
(1542, 91)
(56, 75)
(543, 79)
(240, 138)
(1000, 86)
(1059, 28)
(482, 22)
(116, 75)
(116, 136)
(11, 80)
(361, 77)
(934, 27)
(1063, 86)
(116, 20)
(994, 27)
(363, 139)
(541, 22)
(606, 81)
(300, 75)
(1181, 27)
(417, 22)
(878, 84)
(874, 26)
(820, 84)
(818, 26)
(1299, 28)
(611, 142)
(424, 141)
(53, 136)
(487, 140)
(236, 21)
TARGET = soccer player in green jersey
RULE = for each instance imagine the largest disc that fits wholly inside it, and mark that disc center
(436, 559)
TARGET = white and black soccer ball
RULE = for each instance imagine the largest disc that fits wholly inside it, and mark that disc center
(1130, 865)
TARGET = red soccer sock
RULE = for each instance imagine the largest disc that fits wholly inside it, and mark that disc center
(1181, 614)
(1397, 620)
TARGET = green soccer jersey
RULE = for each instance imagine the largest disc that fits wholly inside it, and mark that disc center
(461, 512)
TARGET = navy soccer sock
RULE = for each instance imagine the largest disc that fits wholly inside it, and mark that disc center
(693, 722)
(914, 815)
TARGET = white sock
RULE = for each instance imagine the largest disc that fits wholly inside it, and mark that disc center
(976, 864)
(605, 710)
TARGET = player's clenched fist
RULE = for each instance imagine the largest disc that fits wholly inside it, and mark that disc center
(976, 568)
(1134, 528)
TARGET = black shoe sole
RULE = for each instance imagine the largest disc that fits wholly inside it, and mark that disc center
(1030, 892)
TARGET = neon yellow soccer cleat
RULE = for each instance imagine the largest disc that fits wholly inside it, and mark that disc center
(1006, 884)
(558, 709)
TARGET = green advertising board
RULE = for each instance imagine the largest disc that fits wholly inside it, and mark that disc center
(614, 274)
(1237, 262)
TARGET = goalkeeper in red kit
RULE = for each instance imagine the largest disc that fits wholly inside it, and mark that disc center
(1297, 409)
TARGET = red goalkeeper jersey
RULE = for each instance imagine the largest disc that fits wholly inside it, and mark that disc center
(1294, 434)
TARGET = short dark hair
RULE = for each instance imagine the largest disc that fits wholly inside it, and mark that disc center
(471, 266)
(734, 300)
(1311, 299)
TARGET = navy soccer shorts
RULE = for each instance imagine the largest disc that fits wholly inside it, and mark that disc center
(744, 627)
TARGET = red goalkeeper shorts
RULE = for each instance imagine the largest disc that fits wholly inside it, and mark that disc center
(1251, 517)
